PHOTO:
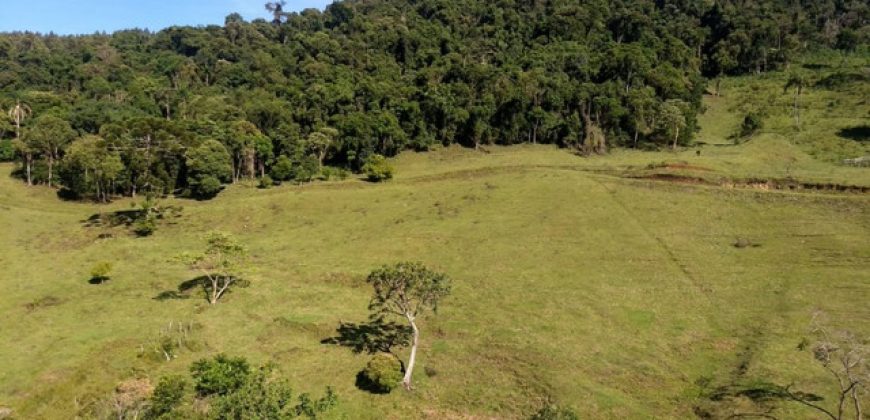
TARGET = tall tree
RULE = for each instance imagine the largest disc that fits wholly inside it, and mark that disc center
(50, 134)
(18, 114)
(407, 290)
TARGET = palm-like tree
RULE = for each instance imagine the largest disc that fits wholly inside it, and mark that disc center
(19, 113)
(799, 82)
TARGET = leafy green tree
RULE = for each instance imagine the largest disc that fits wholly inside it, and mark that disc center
(208, 166)
(222, 263)
(320, 142)
(407, 290)
(282, 170)
(50, 134)
(90, 167)
(672, 118)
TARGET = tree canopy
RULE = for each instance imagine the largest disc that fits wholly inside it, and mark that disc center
(376, 77)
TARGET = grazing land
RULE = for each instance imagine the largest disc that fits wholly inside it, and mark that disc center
(611, 285)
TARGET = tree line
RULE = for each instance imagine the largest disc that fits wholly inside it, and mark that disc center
(188, 109)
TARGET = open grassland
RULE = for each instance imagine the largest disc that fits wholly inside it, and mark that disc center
(575, 279)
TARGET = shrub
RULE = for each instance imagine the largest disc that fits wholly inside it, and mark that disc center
(282, 170)
(206, 188)
(145, 227)
(100, 272)
(752, 122)
(377, 168)
(167, 396)
(261, 397)
(382, 374)
(265, 182)
(220, 375)
(306, 170)
(330, 173)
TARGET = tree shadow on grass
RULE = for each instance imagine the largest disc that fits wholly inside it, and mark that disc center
(859, 133)
(372, 337)
(765, 397)
(188, 288)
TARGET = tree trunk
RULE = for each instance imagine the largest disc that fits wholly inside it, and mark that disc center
(676, 137)
(29, 164)
(50, 167)
(797, 112)
(214, 292)
(406, 381)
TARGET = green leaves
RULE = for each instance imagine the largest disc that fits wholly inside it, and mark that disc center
(406, 289)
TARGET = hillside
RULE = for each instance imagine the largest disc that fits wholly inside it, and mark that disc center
(575, 281)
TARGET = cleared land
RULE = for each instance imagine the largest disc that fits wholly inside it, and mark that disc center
(575, 279)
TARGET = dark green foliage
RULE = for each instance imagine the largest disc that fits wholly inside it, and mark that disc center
(145, 226)
(377, 77)
(377, 168)
(220, 375)
(261, 397)
(7, 151)
(283, 169)
(167, 395)
(307, 169)
(407, 289)
(208, 165)
(265, 182)
(752, 122)
(382, 374)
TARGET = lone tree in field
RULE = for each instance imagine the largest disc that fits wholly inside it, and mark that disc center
(222, 263)
(407, 290)
(798, 81)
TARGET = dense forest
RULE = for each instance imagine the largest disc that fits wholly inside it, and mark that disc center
(318, 93)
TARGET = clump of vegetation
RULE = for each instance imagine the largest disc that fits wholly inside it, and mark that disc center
(265, 182)
(377, 169)
(172, 339)
(382, 374)
(100, 272)
(262, 396)
(220, 375)
(752, 122)
(167, 396)
(282, 169)
(240, 392)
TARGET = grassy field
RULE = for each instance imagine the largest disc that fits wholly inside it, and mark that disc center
(575, 279)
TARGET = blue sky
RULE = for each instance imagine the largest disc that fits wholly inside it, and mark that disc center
(88, 16)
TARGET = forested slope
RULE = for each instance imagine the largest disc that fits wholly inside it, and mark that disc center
(186, 109)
